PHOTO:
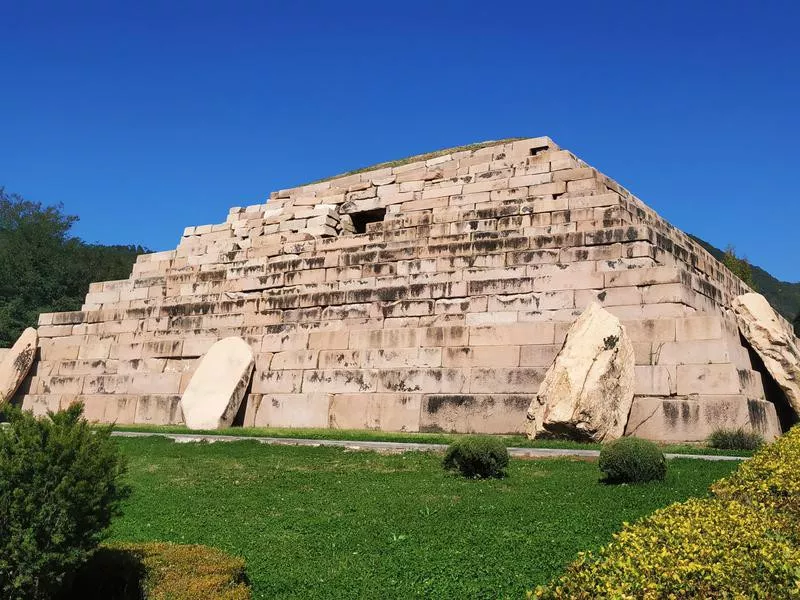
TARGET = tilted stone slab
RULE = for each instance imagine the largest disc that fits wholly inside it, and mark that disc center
(774, 343)
(588, 390)
(16, 363)
(217, 387)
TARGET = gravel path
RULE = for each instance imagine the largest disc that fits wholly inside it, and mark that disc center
(391, 446)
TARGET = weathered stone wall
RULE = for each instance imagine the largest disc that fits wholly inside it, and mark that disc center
(442, 316)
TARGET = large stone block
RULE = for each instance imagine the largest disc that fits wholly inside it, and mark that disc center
(291, 410)
(41, 404)
(440, 381)
(16, 363)
(695, 418)
(218, 385)
(773, 341)
(708, 379)
(386, 412)
(158, 410)
(587, 392)
(474, 413)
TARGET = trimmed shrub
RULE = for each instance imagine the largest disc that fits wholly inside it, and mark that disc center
(771, 478)
(479, 456)
(735, 439)
(699, 549)
(161, 571)
(742, 543)
(632, 460)
(59, 488)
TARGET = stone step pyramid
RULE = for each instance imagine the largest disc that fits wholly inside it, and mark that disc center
(426, 295)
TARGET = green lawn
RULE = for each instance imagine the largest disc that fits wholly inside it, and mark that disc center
(362, 435)
(327, 523)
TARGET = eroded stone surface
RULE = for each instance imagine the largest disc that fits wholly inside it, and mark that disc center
(694, 418)
(217, 387)
(588, 390)
(774, 342)
(16, 363)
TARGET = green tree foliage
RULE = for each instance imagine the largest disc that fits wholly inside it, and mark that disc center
(43, 268)
(797, 325)
(739, 266)
(60, 485)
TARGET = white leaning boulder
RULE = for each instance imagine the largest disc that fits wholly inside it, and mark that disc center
(773, 341)
(588, 390)
(16, 363)
(215, 392)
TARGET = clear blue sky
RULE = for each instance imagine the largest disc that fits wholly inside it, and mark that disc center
(145, 117)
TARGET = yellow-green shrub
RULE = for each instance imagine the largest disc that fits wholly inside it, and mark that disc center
(771, 477)
(161, 571)
(698, 549)
(743, 543)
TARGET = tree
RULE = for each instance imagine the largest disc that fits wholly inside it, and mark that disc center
(60, 485)
(43, 268)
(796, 323)
(739, 266)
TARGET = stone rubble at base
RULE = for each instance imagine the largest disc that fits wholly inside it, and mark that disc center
(443, 315)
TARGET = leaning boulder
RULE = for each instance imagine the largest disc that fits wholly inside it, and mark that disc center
(773, 340)
(16, 363)
(215, 392)
(588, 390)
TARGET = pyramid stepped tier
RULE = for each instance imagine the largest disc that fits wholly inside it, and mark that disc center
(427, 296)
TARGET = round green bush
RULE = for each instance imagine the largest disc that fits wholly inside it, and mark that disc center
(59, 488)
(477, 457)
(632, 460)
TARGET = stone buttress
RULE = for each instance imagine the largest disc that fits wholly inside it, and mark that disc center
(423, 297)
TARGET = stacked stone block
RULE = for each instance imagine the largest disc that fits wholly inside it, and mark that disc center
(427, 296)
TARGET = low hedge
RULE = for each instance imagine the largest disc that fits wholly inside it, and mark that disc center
(161, 571)
(697, 549)
(770, 478)
(742, 543)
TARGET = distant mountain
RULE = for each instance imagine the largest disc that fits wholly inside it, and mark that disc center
(782, 295)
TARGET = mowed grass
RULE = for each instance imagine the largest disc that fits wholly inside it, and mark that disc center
(328, 523)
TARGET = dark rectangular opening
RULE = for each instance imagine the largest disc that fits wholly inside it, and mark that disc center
(363, 218)
(538, 149)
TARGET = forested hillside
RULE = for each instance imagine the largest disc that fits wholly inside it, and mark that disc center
(43, 268)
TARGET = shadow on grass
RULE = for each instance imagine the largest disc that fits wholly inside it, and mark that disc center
(111, 574)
